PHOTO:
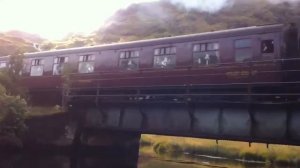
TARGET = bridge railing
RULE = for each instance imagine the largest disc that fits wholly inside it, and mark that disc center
(284, 86)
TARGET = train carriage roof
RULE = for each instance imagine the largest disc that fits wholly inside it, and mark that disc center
(166, 40)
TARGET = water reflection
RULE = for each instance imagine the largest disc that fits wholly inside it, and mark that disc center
(96, 159)
(50, 159)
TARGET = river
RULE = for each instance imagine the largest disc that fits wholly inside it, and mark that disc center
(62, 160)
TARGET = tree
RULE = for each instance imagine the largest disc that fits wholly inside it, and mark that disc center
(12, 106)
(10, 77)
(12, 112)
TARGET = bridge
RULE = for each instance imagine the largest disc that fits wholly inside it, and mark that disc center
(264, 112)
(121, 117)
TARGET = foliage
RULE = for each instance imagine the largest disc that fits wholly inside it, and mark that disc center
(169, 149)
(12, 106)
(12, 111)
(277, 154)
(10, 77)
(36, 111)
(163, 19)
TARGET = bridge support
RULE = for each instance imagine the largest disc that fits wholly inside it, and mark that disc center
(116, 148)
(101, 147)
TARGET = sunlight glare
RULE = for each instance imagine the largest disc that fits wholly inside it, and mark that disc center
(54, 19)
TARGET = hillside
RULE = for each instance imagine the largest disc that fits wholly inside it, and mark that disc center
(10, 45)
(163, 18)
(13, 41)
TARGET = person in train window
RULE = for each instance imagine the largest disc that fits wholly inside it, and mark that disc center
(207, 57)
(131, 65)
(199, 61)
(213, 59)
(165, 62)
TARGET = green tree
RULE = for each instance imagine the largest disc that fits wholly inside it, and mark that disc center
(12, 111)
(12, 106)
(10, 77)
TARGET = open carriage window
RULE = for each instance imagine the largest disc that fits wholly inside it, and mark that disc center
(165, 57)
(86, 64)
(267, 46)
(37, 67)
(206, 54)
(58, 66)
(129, 60)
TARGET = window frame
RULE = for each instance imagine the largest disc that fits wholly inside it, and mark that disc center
(273, 46)
(3, 62)
(203, 47)
(56, 61)
(38, 62)
(250, 48)
(86, 58)
(129, 55)
(160, 52)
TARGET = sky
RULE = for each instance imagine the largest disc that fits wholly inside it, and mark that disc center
(54, 19)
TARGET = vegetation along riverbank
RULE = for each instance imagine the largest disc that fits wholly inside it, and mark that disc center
(168, 147)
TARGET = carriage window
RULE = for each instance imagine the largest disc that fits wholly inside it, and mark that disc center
(206, 54)
(267, 46)
(165, 57)
(86, 64)
(37, 67)
(243, 50)
(129, 60)
(58, 66)
(3, 64)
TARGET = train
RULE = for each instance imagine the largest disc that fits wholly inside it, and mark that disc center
(227, 65)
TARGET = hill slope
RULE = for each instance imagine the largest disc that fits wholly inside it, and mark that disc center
(163, 18)
(11, 43)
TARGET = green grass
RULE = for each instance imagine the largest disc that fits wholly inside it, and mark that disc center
(35, 111)
(279, 154)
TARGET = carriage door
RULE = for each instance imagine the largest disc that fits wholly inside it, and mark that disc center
(266, 67)
(268, 47)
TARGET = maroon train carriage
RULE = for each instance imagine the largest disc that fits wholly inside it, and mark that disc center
(221, 65)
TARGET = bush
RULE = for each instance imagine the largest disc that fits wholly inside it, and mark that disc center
(171, 149)
(12, 113)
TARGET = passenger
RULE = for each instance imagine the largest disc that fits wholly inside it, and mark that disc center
(165, 62)
(207, 57)
(213, 59)
(131, 65)
(199, 61)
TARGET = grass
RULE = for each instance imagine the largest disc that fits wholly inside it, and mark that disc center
(274, 154)
(35, 111)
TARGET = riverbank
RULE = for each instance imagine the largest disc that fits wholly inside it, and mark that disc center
(174, 147)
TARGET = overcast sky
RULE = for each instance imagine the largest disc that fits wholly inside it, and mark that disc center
(54, 19)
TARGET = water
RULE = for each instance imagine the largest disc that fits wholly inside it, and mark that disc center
(198, 162)
(63, 160)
